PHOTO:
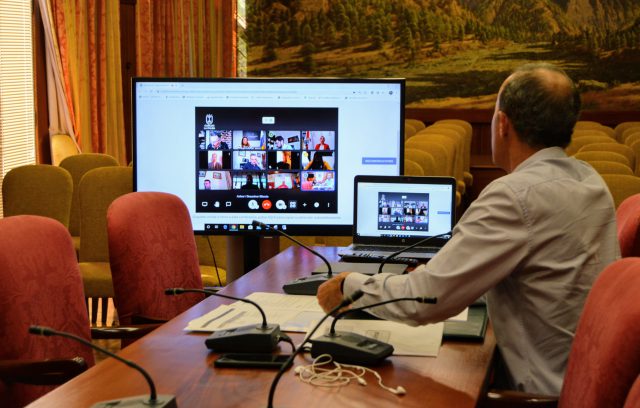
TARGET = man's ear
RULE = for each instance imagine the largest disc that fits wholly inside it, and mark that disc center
(504, 125)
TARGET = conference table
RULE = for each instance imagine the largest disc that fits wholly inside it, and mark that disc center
(181, 365)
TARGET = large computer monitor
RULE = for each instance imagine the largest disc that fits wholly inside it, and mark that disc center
(281, 151)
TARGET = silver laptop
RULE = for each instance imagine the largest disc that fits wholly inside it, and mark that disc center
(393, 212)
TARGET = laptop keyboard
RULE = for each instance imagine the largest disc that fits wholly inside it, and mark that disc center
(383, 248)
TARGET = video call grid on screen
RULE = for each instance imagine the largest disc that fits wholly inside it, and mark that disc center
(288, 154)
(403, 212)
(415, 209)
(309, 139)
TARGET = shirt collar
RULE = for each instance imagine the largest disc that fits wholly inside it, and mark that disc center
(554, 152)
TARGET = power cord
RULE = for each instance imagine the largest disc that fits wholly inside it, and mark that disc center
(320, 374)
(284, 337)
(215, 264)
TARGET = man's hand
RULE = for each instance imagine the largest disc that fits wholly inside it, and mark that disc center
(330, 293)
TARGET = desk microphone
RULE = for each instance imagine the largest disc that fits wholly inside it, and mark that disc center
(352, 348)
(422, 241)
(307, 285)
(261, 338)
(154, 400)
(345, 302)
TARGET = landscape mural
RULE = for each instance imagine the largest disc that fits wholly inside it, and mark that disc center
(454, 53)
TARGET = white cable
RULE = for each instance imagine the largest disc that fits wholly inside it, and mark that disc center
(339, 375)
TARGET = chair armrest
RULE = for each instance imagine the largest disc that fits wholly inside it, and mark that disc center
(516, 399)
(123, 332)
(41, 372)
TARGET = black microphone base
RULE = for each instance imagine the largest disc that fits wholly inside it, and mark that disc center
(351, 348)
(245, 339)
(307, 285)
(164, 401)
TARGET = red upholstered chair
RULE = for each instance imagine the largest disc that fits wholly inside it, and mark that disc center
(41, 285)
(151, 248)
(628, 217)
(604, 360)
(633, 399)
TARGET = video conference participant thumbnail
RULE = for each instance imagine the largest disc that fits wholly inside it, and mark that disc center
(214, 160)
(319, 140)
(317, 160)
(283, 140)
(248, 139)
(249, 181)
(318, 181)
(283, 160)
(249, 160)
(283, 181)
(214, 180)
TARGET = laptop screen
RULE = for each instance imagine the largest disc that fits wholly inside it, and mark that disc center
(403, 209)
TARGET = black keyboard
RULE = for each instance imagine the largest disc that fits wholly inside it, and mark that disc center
(370, 258)
(421, 250)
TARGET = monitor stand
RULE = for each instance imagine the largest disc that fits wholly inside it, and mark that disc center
(247, 253)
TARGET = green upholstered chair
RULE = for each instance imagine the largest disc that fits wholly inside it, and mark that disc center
(97, 190)
(424, 159)
(77, 165)
(621, 186)
(620, 148)
(213, 259)
(412, 168)
(38, 189)
(609, 167)
(62, 146)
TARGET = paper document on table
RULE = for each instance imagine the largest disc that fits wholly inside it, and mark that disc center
(406, 340)
(294, 313)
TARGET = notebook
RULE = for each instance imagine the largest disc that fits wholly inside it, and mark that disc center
(393, 212)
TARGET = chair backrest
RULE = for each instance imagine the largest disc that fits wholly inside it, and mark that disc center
(619, 130)
(609, 167)
(98, 188)
(78, 165)
(447, 143)
(412, 168)
(631, 137)
(602, 156)
(577, 142)
(38, 189)
(437, 151)
(62, 146)
(621, 186)
(409, 130)
(628, 222)
(416, 123)
(604, 360)
(41, 285)
(633, 398)
(620, 148)
(424, 159)
(151, 248)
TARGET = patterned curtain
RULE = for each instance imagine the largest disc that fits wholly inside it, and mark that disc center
(87, 35)
(179, 38)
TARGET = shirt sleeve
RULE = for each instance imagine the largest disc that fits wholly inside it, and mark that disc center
(488, 244)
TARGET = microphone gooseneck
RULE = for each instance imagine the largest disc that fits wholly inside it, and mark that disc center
(46, 331)
(345, 302)
(419, 299)
(179, 291)
(422, 241)
(256, 223)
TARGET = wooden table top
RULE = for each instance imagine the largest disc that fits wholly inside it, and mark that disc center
(180, 364)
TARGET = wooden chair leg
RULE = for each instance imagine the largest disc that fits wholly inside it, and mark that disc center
(105, 309)
(94, 311)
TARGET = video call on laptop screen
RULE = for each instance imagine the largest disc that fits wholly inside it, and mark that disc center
(281, 151)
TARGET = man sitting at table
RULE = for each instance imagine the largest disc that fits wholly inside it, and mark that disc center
(534, 240)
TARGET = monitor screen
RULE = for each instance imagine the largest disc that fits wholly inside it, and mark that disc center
(281, 151)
